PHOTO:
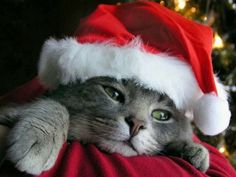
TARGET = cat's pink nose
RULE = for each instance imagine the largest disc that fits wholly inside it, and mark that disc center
(135, 125)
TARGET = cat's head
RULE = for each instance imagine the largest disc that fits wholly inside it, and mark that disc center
(122, 116)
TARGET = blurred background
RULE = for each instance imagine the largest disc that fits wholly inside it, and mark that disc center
(26, 24)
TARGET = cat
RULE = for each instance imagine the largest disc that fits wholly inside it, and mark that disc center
(118, 116)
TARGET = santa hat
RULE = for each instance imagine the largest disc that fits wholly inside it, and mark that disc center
(144, 41)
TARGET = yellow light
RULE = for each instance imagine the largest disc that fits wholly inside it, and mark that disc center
(162, 3)
(193, 9)
(222, 149)
(205, 18)
(180, 4)
(217, 42)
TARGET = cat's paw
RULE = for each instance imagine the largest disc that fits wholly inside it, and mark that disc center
(32, 148)
(197, 155)
(194, 153)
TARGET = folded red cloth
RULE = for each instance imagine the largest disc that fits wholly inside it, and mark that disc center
(77, 160)
(24, 93)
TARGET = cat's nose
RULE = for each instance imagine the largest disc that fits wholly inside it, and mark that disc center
(135, 125)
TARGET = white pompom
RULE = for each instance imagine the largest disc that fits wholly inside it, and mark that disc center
(211, 114)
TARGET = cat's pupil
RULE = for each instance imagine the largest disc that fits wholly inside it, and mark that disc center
(161, 115)
(114, 94)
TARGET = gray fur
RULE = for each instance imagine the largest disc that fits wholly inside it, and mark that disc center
(85, 112)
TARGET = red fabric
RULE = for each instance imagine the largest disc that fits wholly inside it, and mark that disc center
(24, 93)
(161, 30)
(88, 161)
(76, 160)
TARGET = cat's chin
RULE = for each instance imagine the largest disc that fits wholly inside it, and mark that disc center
(130, 149)
(121, 147)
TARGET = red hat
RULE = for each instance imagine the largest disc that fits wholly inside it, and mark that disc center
(147, 42)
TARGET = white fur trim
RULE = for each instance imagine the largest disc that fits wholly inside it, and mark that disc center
(67, 60)
(221, 89)
(211, 114)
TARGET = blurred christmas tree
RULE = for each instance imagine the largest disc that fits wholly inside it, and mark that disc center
(220, 15)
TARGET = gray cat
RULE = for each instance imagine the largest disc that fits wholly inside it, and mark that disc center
(119, 116)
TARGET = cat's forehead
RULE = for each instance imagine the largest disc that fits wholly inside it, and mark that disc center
(136, 96)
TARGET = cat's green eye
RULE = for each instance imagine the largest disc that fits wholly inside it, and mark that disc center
(114, 94)
(161, 115)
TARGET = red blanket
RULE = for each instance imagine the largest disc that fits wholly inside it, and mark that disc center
(76, 160)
